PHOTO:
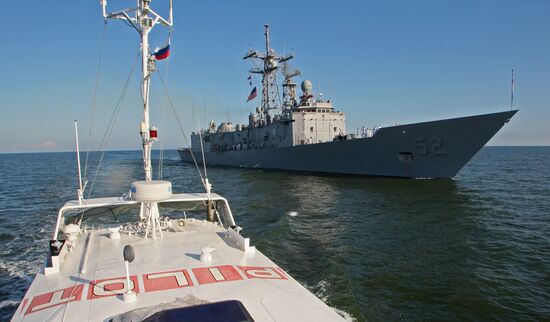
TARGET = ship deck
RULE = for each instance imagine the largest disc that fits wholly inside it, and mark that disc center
(167, 272)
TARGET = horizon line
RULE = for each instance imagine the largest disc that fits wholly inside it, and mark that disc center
(133, 150)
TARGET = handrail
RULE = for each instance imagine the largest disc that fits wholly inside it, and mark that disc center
(115, 201)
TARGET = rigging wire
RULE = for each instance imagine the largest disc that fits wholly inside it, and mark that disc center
(181, 129)
(94, 100)
(202, 151)
(111, 125)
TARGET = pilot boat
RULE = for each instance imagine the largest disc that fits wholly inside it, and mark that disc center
(156, 255)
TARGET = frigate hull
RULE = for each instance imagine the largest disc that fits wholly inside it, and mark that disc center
(436, 149)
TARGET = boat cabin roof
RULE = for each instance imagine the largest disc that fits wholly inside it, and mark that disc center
(198, 263)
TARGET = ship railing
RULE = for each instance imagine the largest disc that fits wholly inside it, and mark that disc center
(365, 132)
(114, 211)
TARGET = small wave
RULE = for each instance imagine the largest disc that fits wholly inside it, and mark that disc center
(320, 290)
(8, 303)
(292, 213)
(344, 314)
(6, 237)
(18, 269)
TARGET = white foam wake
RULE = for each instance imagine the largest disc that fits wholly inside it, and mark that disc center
(344, 314)
(322, 293)
(7, 303)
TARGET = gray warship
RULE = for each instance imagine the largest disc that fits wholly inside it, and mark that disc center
(308, 134)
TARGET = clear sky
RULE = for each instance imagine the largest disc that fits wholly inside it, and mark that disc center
(388, 61)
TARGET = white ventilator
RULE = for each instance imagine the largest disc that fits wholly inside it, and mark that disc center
(206, 254)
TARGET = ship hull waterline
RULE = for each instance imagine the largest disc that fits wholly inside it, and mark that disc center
(435, 149)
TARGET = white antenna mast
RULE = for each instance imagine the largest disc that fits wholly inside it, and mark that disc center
(143, 19)
(512, 92)
(80, 190)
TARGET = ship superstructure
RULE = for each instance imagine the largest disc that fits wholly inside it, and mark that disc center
(308, 121)
(275, 123)
(306, 133)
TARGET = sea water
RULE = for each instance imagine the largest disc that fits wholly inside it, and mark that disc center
(473, 248)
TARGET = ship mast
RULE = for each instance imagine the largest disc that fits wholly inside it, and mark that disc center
(289, 89)
(267, 67)
(143, 19)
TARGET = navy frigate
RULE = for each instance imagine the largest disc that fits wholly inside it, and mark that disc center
(307, 134)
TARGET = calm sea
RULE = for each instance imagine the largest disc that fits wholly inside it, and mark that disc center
(473, 248)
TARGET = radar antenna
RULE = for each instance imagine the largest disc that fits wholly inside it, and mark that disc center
(267, 67)
(289, 88)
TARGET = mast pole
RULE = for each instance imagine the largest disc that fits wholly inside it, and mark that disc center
(266, 39)
(512, 92)
(265, 80)
(144, 22)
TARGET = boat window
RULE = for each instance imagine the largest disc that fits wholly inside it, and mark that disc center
(228, 311)
(103, 215)
(122, 214)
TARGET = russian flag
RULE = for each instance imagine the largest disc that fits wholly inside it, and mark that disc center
(162, 53)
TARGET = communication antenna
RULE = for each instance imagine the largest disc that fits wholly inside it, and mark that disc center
(512, 92)
(195, 125)
(80, 188)
(330, 92)
(204, 111)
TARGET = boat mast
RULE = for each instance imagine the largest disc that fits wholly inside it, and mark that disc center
(143, 20)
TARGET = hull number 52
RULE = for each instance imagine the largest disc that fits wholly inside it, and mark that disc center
(433, 145)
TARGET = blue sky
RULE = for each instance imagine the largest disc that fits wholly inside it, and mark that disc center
(389, 62)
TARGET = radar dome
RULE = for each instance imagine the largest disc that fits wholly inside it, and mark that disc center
(307, 86)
